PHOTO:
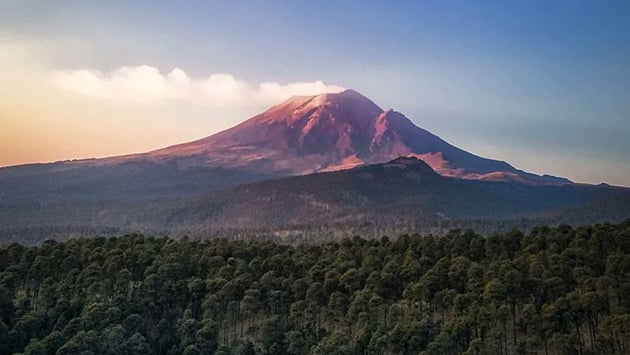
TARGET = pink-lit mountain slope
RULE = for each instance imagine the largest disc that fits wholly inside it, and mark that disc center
(327, 132)
(306, 134)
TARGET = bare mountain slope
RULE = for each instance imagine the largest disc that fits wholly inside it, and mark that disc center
(336, 131)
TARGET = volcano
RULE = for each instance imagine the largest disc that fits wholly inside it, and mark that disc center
(335, 131)
(303, 135)
(306, 148)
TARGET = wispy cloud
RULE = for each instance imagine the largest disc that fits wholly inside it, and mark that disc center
(146, 84)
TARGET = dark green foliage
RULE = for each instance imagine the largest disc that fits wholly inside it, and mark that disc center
(553, 291)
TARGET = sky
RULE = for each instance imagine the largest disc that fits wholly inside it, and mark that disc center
(544, 85)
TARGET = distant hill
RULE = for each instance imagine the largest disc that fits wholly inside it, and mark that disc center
(403, 194)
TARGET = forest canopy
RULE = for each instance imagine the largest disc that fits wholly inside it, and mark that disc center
(558, 290)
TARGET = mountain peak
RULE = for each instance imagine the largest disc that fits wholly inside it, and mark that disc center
(347, 94)
(345, 100)
(330, 114)
(410, 162)
(407, 160)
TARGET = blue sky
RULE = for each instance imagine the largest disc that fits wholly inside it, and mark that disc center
(544, 85)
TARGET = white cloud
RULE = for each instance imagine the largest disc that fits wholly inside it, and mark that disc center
(146, 84)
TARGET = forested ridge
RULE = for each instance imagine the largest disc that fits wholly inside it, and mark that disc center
(390, 198)
(555, 290)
